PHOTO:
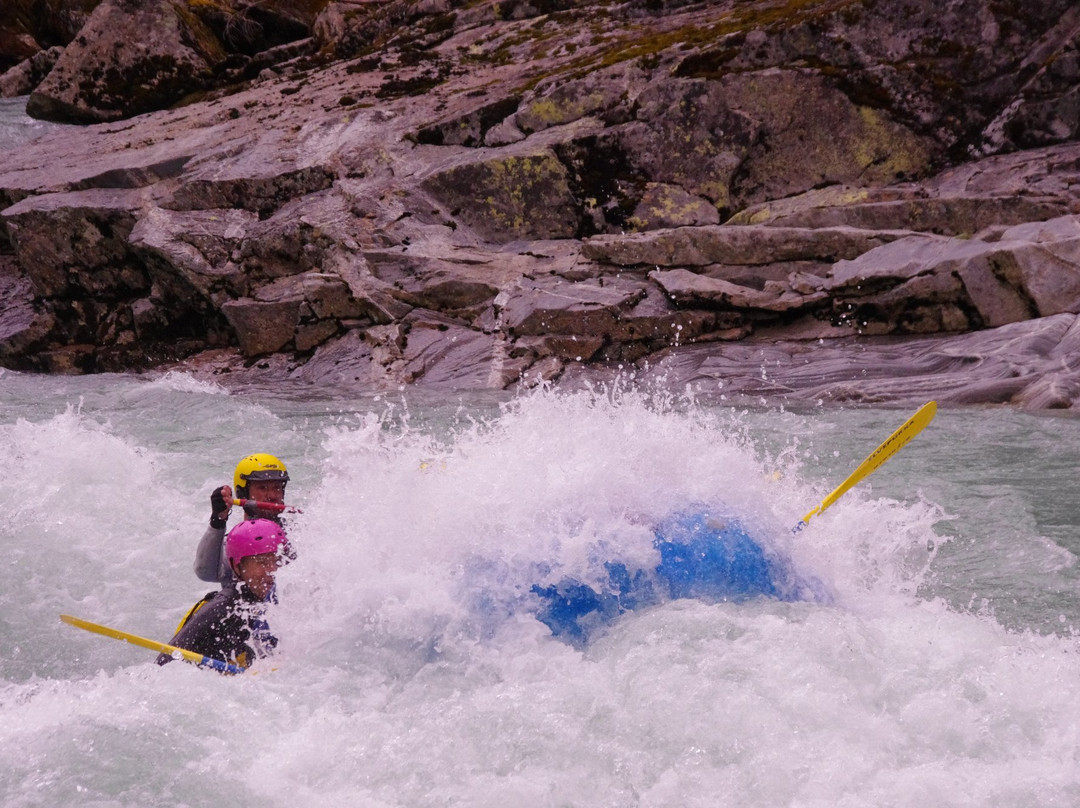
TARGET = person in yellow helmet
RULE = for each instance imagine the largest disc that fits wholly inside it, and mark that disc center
(258, 477)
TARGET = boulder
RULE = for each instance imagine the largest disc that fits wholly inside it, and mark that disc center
(27, 74)
(16, 47)
(192, 252)
(514, 197)
(665, 206)
(688, 134)
(861, 145)
(707, 137)
(556, 306)
(113, 70)
(23, 327)
(1028, 271)
(262, 327)
(607, 94)
(76, 244)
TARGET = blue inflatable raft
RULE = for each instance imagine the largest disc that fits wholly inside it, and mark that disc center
(701, 556)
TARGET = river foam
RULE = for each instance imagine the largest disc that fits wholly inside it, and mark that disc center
(389, 691)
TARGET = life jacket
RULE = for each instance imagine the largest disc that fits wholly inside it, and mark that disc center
(262, 640)
(191, 612)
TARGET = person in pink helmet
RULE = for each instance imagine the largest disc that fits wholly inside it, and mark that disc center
(230, 624)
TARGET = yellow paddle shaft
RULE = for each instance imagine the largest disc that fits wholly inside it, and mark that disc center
(892, 444)
(152, 645)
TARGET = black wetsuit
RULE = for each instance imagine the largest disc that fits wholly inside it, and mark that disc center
(228, 626)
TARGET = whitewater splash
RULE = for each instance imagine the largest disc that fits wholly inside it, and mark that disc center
(397, 686)
(573, 509)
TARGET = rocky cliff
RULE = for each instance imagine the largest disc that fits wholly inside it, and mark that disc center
(833, 199)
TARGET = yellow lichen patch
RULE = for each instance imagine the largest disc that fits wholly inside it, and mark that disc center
(886, 149)
(759, 216)
(514, 197)
(548, 111)
(666, 205)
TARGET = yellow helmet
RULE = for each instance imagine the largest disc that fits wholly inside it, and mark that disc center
(258, 467)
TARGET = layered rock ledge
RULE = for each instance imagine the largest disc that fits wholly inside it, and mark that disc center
(835, 200)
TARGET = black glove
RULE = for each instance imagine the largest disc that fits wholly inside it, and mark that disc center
(217, 508)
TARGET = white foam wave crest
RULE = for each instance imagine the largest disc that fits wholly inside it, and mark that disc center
(444, 534)
(181, 382)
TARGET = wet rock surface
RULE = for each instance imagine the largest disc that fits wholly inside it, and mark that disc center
(844, 201)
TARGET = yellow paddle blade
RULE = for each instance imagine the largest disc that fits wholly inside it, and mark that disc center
(893, 444)
(152, 645)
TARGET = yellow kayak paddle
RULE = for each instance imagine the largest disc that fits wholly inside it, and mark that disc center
(893, 444)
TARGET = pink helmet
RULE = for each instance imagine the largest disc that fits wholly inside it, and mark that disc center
(255, 537)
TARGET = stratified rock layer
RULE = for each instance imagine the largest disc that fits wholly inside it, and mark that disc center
(476, 195)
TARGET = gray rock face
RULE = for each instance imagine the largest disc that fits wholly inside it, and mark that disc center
(1032, 365)
(479, 195)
